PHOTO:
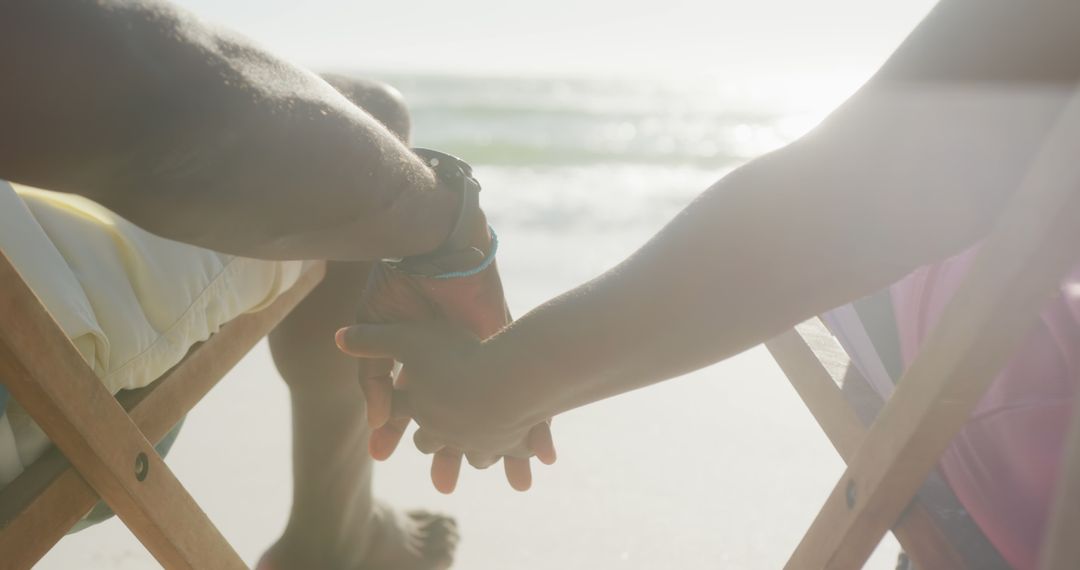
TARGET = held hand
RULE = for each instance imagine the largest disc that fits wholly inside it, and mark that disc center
(475, 302)
(458, 404)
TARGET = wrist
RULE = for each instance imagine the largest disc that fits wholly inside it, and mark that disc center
(466, 242)
(418, 219)
(521, 400)
(454, 176)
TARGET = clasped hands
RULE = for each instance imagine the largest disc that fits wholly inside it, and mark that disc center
(433, 327)
(457, 402)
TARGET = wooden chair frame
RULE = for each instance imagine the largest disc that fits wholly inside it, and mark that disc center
(933, 530)
(104, 445)
(1022, 262)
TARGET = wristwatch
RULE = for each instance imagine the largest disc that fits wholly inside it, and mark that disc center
(456, 255)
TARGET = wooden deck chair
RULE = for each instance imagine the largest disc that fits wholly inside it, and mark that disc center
(934, 530)
(104, 445)
(1023, 261)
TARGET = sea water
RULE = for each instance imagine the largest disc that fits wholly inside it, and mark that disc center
(587, 169)
(723, 468)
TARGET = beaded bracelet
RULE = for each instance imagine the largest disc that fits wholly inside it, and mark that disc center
(487, 261)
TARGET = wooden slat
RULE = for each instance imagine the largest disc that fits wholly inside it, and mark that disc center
(816, 366)
(1020, 264)
(50, 380)
(816, 374)
(39, 507)
(1061, 547)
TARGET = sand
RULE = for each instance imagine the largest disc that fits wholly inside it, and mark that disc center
(720, 469)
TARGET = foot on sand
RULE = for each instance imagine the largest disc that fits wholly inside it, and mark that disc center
(414, 540)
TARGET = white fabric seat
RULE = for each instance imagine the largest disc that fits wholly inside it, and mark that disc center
(132, 303)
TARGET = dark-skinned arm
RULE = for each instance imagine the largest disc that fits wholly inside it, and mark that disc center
(198, 135)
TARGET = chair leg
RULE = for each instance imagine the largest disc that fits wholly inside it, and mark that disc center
(43, 503)
(817, 366)
(46, 374)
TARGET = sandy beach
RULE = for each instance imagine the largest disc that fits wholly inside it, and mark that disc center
(723, 468)
(720, 469)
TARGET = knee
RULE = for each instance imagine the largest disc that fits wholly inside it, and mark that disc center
(380, 100)
(302, 344)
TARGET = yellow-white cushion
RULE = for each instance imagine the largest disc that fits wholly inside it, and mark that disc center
(132, 303)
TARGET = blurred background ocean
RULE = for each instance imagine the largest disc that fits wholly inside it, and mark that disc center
(598, 153)
(590, 125)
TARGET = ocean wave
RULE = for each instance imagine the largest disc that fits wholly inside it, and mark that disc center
(590, 199)
(534, 122)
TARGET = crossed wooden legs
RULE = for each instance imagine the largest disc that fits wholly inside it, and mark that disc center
(108, 448)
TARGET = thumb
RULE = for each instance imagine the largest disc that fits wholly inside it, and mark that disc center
(377, 341)
(378, 387)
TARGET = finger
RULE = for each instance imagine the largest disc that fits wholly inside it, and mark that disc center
(518, 472)
(445, 468)
(399, 405)
(399, 401)
(541, 444)
(385, 439)
(426, 442)
(402, 379)
(379, 393)
(481, 460)
(377, 367)
(378, 388)
(376, 341)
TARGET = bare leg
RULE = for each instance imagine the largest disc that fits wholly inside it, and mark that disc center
(335, 521)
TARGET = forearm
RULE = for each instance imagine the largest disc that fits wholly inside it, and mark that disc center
(916, 166)
(199, 136)
(755, 254)
(752, 256)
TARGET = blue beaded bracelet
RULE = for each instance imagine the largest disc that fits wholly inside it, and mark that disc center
(488, 260)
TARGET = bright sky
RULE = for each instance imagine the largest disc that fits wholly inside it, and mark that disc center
(743, 38)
